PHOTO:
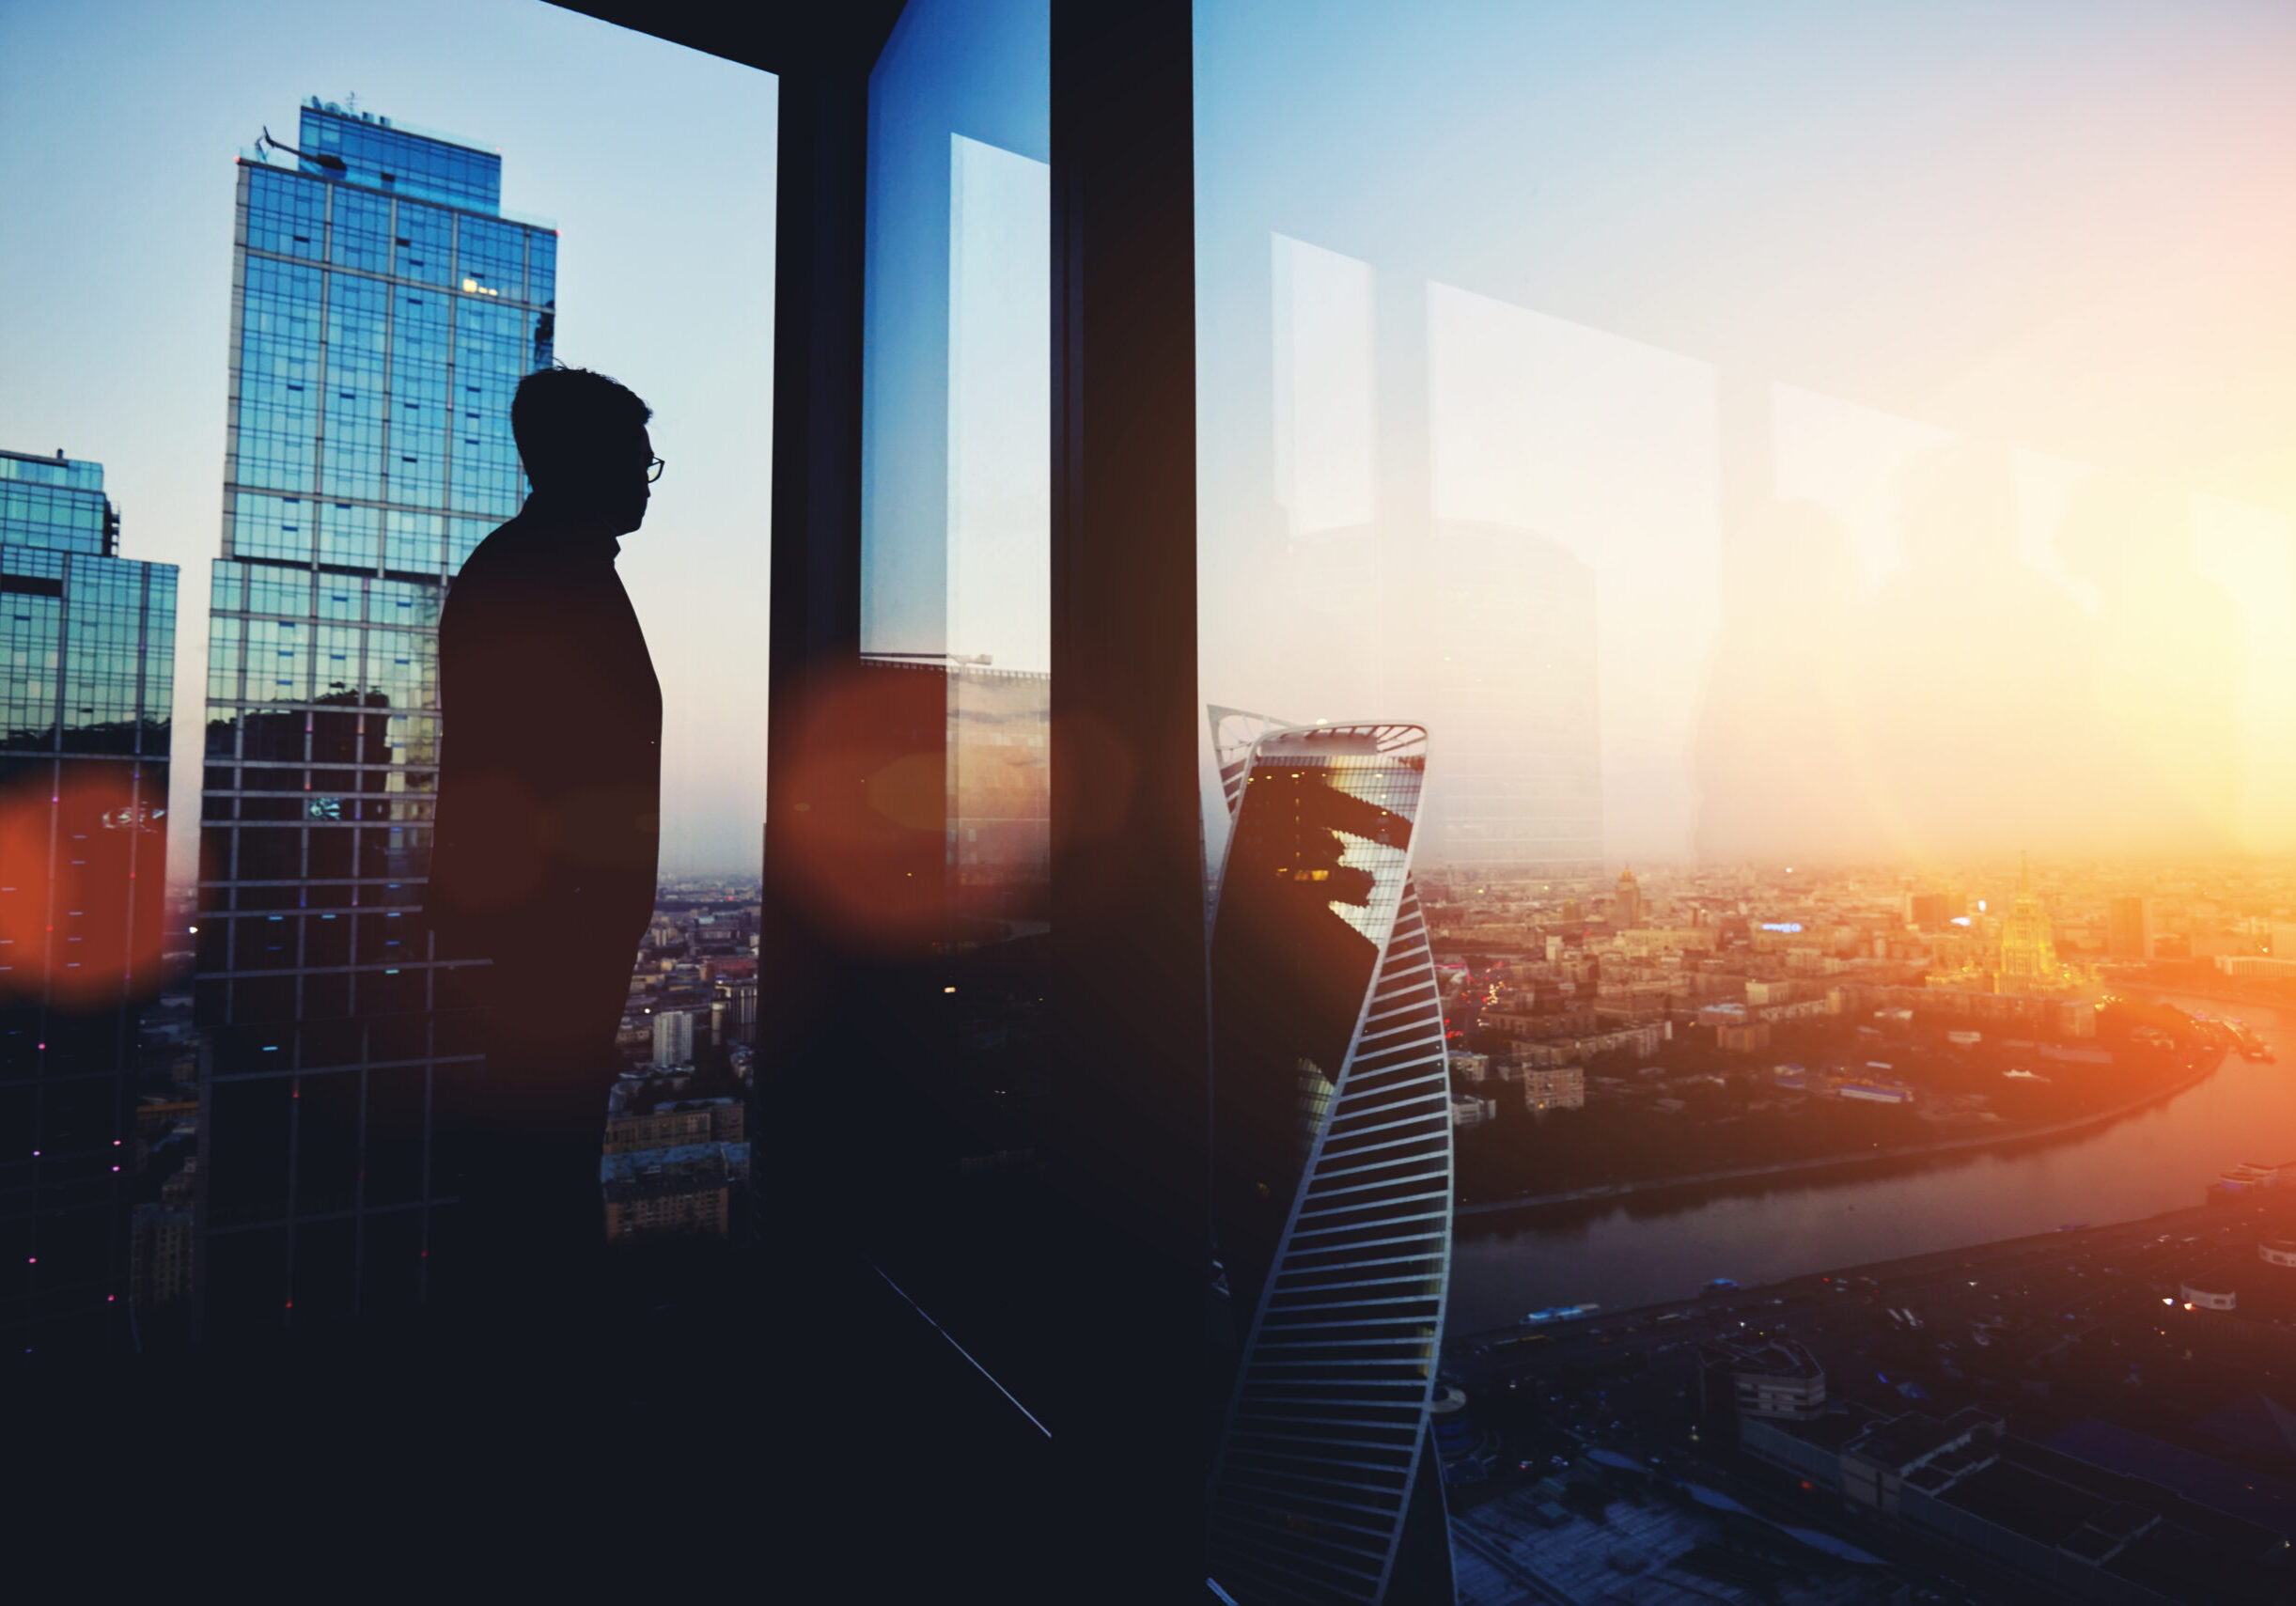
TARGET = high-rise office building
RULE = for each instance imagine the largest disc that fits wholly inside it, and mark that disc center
(384, 309)
(1000, 793)
(1332, 1170)
(1626, 901)
(673, 1038)
(2129, 927)
(87, 640)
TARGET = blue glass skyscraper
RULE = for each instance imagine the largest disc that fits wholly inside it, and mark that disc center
(1332, 1169)
(384, 309)
(87, 682)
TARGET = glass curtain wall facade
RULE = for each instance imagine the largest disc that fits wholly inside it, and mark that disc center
(383, 312)
(86, 661)
(951, 697)
(1332, 1170)
(1771, 453)
(956, 480)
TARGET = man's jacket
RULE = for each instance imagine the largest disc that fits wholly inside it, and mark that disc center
(550, 779)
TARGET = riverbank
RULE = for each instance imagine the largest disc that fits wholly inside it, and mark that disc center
(1843, 1164)
(1896, 1269)
(2216, 995)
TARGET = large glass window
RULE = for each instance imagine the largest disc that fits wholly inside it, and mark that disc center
(957, 510)
(941, 867)
(330, 442)
(1819, 477)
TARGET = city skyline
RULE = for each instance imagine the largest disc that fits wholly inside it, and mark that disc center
(121, 309)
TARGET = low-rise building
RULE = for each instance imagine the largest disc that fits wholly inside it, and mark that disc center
(2256, 965)
(161, 1240)
(1554, 1088)
(1467, 1111)
(1800, 1009)
(1779, 1378)
(1867, 1089)
(676, 1124)
(2069, 1515)
(682, 1191)
(1641, 1040)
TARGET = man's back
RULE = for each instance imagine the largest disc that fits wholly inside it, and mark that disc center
(550, 789)
(550, 780)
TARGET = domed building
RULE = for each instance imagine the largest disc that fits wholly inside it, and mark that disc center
(1626, 902)
(2025, 961)
(2029, 962)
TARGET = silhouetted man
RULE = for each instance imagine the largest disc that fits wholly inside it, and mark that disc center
(549, 787)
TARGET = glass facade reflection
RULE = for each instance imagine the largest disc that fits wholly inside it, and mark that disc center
(87, 642)
(384, 314)
(1000, 796)
(1331, 1170)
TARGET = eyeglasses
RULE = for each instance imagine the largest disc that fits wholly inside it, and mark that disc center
(654, 470)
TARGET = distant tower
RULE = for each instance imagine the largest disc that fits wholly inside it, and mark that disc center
(383, 312)
(2129, 927)
(1332, 1183)
(674, 1039)
(89, 640)
(1626, 902)
(2028, 943)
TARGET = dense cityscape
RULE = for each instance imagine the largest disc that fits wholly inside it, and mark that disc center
(2093, 1410)
(1786, 1017)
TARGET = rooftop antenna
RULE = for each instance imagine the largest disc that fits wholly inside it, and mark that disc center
(319, 159)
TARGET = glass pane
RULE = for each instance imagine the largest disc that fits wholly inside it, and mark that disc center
(1828, 508)
(957, 511)
(275, 1093)
(939, 871)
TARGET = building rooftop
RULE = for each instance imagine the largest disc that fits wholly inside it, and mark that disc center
(351, 114)
(2253, 1422)
(2028, 1502)
(1769, 1358)
(69, 474)
(2268, 1502)
(1904, 1441)
(669, 1170)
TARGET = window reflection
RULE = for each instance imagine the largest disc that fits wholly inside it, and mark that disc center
(1753, 469)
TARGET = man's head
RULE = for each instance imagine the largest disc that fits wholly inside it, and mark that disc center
(582, 440)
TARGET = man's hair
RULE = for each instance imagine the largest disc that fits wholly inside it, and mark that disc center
(565, 419)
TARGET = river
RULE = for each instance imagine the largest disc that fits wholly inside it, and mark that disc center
(1643, 1250)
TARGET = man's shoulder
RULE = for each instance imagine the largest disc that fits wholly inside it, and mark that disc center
(491, 573)
(502, 549)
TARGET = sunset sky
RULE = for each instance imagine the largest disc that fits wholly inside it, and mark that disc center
(1810, 328)
(1918, 383)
